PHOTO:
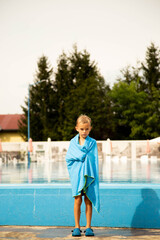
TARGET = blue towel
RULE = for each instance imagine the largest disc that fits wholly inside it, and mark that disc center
(82, 164)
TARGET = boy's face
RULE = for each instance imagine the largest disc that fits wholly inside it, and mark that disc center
(83, 129)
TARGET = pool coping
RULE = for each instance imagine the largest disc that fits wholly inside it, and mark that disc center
(68, 185)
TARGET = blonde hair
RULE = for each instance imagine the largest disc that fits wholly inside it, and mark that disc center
(83, 119)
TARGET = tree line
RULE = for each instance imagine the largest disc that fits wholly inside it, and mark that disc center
(128, 110)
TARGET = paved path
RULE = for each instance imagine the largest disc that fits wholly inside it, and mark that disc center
(49, 233)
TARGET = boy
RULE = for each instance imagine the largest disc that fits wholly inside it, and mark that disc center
(82, 164)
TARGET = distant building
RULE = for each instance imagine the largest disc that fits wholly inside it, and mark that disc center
(9, 131)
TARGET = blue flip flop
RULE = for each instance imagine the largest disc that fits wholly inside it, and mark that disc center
(89, 232)
(76, 232)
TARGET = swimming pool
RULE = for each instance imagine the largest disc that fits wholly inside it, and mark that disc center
(41, 194)
(111, 170)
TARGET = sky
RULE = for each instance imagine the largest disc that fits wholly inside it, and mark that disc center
(116, 33)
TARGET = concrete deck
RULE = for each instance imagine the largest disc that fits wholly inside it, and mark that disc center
(49, 233)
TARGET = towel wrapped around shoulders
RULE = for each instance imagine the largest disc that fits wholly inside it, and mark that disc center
(82, 164)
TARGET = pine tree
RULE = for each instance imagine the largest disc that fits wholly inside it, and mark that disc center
(136, 99)
(151, 85)
(151, 71)
(81, 90)
(62, 85)
(42, 114)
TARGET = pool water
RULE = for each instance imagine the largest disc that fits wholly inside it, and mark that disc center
(110, 171)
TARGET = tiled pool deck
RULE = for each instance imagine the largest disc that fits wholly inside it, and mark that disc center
(48, 233)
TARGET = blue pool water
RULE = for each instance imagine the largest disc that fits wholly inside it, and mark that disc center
(34, 195)
(128, 171)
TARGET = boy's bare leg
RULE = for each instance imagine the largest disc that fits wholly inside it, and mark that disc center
(88, 211)
(77, 210)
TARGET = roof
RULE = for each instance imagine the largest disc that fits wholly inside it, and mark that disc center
(9, 121)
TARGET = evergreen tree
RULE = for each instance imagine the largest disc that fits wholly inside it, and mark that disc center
(81, 90)
(151, 71)
(89, 98)
(136, 99)
(63, 84)
(151, 85)
(42, 114)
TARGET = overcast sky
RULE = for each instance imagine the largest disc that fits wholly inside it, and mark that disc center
(116, 33)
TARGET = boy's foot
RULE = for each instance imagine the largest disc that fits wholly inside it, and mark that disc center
(76, 232)
(89, 232)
